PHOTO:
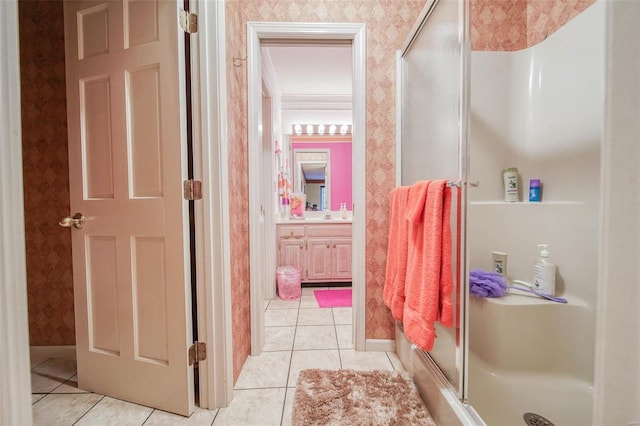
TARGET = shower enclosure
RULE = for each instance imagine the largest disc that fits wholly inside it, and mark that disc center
(465, 116)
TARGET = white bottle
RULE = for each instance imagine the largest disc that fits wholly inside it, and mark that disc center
(544, 273)
(343, 210)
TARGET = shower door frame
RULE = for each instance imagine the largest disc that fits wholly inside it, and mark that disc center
(459, 383)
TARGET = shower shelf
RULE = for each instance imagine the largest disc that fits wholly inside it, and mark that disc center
(513, 299)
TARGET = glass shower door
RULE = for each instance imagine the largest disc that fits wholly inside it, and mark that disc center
(434, 145)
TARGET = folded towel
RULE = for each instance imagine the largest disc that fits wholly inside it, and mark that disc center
(393, 293)
(429, 279)
(446, 310)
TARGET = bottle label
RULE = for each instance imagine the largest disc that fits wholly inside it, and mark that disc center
(544, 279)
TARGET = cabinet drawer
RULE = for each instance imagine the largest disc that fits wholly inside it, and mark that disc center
(329, 231)
(291, 231)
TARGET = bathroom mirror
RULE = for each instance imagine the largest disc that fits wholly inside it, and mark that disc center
(314, 181)
(318, 160)
(312, 177)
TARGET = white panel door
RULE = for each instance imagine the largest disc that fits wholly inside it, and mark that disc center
(131, 285)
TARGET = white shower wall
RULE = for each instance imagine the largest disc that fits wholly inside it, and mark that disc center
(540, 110)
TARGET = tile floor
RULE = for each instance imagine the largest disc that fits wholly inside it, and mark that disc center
(298, 335)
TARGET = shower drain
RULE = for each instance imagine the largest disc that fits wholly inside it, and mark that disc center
(533, 419)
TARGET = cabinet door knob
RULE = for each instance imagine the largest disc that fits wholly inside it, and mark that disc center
(328, 245)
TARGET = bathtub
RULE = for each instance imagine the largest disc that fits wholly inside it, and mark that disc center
(528, 355)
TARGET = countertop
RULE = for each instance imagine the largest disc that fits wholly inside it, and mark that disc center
(314, 220)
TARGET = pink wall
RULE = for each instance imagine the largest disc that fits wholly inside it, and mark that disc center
(340, 169)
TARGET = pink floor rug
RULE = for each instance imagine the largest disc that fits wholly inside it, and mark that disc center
(333, 298)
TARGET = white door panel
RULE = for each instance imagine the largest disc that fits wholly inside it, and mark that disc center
(130, 261)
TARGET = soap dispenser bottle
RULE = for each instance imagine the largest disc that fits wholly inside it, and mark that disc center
(343, 210)
(544, 272)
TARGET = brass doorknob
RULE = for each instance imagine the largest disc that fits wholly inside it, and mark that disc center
(76, 221)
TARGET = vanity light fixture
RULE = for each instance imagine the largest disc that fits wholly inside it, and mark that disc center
(320, 129)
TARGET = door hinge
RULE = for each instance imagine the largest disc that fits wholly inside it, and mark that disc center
(192, 189)
(188, 21)
(197, 352)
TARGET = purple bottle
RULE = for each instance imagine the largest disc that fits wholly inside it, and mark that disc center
(534, 190)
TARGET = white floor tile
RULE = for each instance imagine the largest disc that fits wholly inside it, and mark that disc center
(38, 358)
(315, 317)
(199, 417)
(302, 360)
(280, 317)
(315, 337)
(343, 316)
(70, 386)
(345, 336)
(365, 360)
(253, 407)
(51, 374)
(278, 338)
(63, 410)
(288, 407)
(283, 304)
(267, 370)
(307, 302)
(395, 361)
(308, 291)
(110, 411)
(35, 397)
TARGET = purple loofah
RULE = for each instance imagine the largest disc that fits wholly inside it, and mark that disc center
(486, 284)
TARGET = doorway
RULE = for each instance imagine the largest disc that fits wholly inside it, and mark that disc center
(350, 33)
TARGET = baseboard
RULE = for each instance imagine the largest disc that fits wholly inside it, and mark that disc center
(380, 345)
(62, 352)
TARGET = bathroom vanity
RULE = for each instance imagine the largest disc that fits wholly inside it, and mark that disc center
(322, 248)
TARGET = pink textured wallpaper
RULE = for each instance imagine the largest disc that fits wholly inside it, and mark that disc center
(545, 17)
(499, 25)
(46, 173)
(388, 23)
(239, 186)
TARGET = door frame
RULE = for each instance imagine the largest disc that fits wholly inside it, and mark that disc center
(356, 33)
(269, 188)
(213, 242)
(15, 386)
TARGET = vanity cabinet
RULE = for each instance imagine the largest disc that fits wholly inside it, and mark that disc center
(323, 251)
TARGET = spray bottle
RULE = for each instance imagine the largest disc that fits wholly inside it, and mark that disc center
(544, 272)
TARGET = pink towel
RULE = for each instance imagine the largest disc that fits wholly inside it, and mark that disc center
(429, 262)
(445, 311)
(393, 293)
